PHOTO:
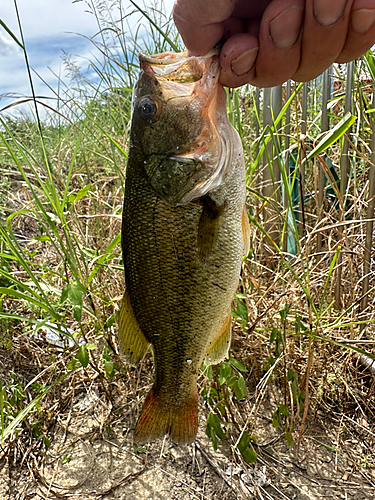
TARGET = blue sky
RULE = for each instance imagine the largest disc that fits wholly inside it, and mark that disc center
(49, 27)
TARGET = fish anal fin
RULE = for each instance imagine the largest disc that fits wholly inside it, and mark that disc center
(245, 231)
(208, 226)
(133, 344)
(219, 347)
(159, 418)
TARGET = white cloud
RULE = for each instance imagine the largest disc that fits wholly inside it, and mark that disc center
(8, 46)
(49, 27)
(47, 17)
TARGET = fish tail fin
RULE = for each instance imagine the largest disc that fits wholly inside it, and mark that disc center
(159, 418)
(184, 421)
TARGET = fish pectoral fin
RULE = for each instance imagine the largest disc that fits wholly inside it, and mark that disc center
(133, 344)
(208, 226)
(219, 347)
(159, 418)
(245, 231)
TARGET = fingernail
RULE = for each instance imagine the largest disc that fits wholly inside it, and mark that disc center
(329, 12)
(286, 27)
(363, 19)
(243, 63)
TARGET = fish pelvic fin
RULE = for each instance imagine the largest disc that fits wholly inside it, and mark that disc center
(208, 226)
(159, 418)
(132, 342)
(245, 231)
(219, 347)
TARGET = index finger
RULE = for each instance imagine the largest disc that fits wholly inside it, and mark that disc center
(202, 23)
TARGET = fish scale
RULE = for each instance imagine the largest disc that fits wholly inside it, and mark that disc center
(182, 261)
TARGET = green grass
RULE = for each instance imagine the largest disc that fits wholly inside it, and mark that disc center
(61, 198)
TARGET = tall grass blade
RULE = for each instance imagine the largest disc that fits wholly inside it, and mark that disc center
(326, 91)
(344, 167)
(370, 218)
(10, 33)
(8, 431)
(332, 136)
(152, 23)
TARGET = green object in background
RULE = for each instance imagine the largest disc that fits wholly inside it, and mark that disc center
(330, 193)
(294, 190)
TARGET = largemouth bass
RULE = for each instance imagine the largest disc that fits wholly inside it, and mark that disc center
(184, 232)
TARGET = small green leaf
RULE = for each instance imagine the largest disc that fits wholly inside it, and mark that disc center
(110, 321)
(289, 439)
(284, 312)
(204, 393)
(83, 356)
(274, 334)
(83, 192)
(242, 310)
(239, 388)
(109, 368)
(43, 237)
(65, 293)
(75, 293)
(77, 313)
(90, 347)
(244, 442)
(214, 422)
(221, 406)
(290, 374)
(276, 422)
(283, 410)
(250, 456)
(46, 441)
(232, 380)
(270, 360)
(238, 365)
(211, 396)
(225, 372)
(139, 449)
(72, 364)
(213, 438)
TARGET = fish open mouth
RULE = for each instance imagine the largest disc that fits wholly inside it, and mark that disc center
(179, 68)
(211, 153)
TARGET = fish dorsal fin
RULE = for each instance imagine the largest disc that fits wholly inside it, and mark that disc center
(219, 347)
(245, 231)
(208, 226)
(133, 343)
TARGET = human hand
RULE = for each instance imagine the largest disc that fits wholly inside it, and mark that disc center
(270, 41)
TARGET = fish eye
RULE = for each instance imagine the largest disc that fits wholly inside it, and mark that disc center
(147, 109)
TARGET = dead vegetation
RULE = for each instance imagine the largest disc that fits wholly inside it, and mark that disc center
(297, 393)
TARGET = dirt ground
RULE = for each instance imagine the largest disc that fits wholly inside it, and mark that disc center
(91, 456)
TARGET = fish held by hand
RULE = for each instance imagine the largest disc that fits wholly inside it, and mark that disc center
(184, 232)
